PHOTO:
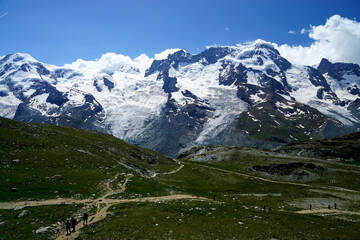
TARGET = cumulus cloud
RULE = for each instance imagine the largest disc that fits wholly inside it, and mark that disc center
(111, 62)
(338, 40)
(292, 32)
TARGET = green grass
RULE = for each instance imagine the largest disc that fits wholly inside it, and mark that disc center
(53, 162)
(13, 227)
(45, 161)
(209, 220)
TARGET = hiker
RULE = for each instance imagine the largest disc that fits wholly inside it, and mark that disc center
(329, 206)
(85, 218)
(335, 205)
(264, 208)
(310, 206)
(198, 194)
(73, 223)
(68, 231)
(214, 197)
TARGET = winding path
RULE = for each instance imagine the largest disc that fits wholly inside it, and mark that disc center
(102, 203)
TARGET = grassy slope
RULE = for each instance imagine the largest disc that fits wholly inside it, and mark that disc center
(45, 161)
(237, 213)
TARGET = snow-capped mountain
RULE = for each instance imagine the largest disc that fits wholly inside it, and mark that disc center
(233, 95)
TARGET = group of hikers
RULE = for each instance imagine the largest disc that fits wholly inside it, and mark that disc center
(72, 223)
(329, 207)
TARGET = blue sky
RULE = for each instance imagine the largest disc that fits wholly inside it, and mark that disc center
(60, 32)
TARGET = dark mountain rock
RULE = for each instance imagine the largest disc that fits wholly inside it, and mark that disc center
(316, 78)
(169, 83)
(87, 116)
(5, 68)
(3, 94)
(272, 84)
(110, 85)
(5, 59)
(324, 66)
(337, 70)
(25, 67)
(56, 97)
(354, 108)
(103, 81)
(354, 90)
(340, 72)
(213, 54)
(275, 119)
(229, 74)
(61, 73)
(41, 69)
(177, 127)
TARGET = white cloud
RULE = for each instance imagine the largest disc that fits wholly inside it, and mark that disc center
(338, 40)
(292, 32)
(165, 54)
(304, 31)
(111, 62)
(3, 15)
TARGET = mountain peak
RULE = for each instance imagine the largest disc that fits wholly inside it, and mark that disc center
(17, 57)
(22, 56)
(324, 66)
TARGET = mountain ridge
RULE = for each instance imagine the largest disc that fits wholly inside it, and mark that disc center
(184, 100)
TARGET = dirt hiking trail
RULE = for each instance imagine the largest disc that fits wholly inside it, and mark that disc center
(327, 211)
